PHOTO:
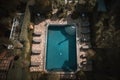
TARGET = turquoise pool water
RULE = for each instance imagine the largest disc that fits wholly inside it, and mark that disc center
(61, 49)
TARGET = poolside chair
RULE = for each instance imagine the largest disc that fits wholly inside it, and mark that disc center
(36, 52)
(86, 46)
(85, 37)
(35, 64)
(83, 56)
(88, 66)
(36, 33)
(83, 63)
(36, 40)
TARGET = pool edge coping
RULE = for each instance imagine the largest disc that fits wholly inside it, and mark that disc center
(46, 29)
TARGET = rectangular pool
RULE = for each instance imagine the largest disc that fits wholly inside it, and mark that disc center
(61, 48)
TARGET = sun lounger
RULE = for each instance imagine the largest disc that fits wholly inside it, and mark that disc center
(83, 63)
(36, 47)
(35, 52)
(85, 47)
(36, 40)
(85, 38)
(83, 56)
(35, 64)
(37, 33)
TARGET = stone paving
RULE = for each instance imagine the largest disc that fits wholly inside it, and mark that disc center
(39, 58)
(41, 29)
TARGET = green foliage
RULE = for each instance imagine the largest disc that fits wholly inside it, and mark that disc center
(57, 3)
(7, 11)
(70, 7)
(61, 13)
(88, 6)
(105, 32)
(49, 76)
(53, 76)
(43, 6)
(4, 40)
(81, 75)
(75, 15)
(8, 7)
(2, 48)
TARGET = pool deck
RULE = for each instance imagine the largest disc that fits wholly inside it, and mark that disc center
(42, 28)
(39, 47)
(40, 58)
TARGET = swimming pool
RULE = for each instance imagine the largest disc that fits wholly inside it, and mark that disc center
(61, 48)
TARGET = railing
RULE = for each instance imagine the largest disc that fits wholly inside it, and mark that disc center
(17, 22)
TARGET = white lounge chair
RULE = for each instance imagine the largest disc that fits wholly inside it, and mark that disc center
(36, 40)
(35, 52)
(37, 33)
(35, 64)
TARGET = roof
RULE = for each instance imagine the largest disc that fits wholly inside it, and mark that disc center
(5, 64)
(5, 61)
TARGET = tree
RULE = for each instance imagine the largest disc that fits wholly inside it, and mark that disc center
(57, 3)
(80, 75)
(88, 6)
(90, 53)
(7, 12)
(43, 6)
(8, 7)
(49, 76)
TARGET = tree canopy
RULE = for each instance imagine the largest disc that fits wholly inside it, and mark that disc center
(43, 6)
